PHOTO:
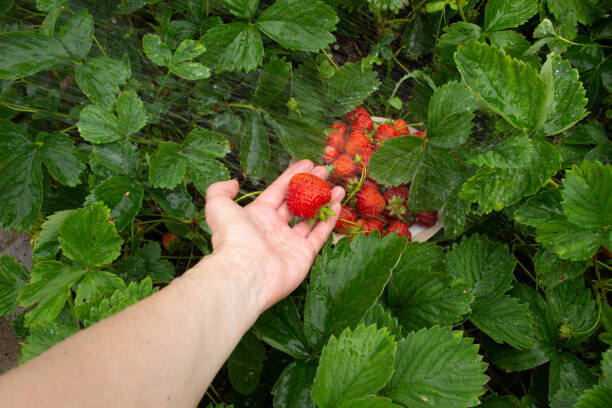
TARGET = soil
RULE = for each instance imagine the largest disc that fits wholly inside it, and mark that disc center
(18, 246)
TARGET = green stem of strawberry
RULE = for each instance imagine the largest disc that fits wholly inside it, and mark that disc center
(322, 214)
(361, 180)
(254, 193)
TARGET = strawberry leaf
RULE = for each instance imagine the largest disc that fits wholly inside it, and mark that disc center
(397, 161)
(568, 372)
(255, 147)
(437, 367)
(450, 117)
(59, 156)
(168, 167)
(502, 14)
(356, 364)
(99, 78)
(596, 397)
(349, 86)
(123, 195)
(245, 364)
(233, 47)
(12, 277)
(77, 34)
(131, 115)
(25, 53)
(509, 153)
(94, 286)
(293, 387)
(43, 337)
(551, 270)
(345, 282)
(114, 159)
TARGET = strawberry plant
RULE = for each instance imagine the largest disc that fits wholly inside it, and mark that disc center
(115, 117)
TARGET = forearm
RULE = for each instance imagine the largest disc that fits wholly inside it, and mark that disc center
(165, 350)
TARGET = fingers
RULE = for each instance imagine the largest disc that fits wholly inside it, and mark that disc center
(275, 193)
(321, 231)
(283, 211)
(223, 189)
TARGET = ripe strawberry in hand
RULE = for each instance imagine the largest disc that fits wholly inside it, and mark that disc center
(344, 166)
(401, 127)
(358, 143)
(426, 218)
(370, 202)
(306, 196)
(370, 224)
(385, 132)
(346, 221)
(403, 230)
(397, 203)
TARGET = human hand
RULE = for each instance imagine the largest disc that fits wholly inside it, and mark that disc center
(257, 239)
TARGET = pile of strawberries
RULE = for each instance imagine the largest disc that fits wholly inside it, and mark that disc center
(369, 206)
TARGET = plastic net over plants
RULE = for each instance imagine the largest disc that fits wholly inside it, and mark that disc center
(483, 123)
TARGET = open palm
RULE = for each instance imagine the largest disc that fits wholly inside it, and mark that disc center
(258, 237)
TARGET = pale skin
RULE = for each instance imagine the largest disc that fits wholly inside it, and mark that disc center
(166, 349)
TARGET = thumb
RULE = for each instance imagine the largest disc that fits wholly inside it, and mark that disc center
(220, 205)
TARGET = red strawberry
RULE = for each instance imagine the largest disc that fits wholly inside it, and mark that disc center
(397, 203)
(371, 183)
(606, 252)
(344, 166)
(358, 143)
(426, 218)
(362, 122)
(330, 154)
(370, 224)
(346, 221)
(403, 230)
(307, 194)
(370, 202)
(169, 240)
(401, 127)
(349, 117)
(339, 127)
(336, 139)
(385, 132)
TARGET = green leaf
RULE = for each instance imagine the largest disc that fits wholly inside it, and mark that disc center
(397, 161)
(502, 14)
(369, 402)
(422, 293)
(381, 317)
(12, 277)
(131, 113)
(118, 158)
(437, 368)
(500, 80)
(349, 86)
(566, 372)
(176, 202)
(205, 171)
(46, 244)
(280, 327)
(26, 53)
(455, 35)
(299, 24)
(14, 140)
(205, 143)
(504, 319)
(573, 310)
(49, 288)
(587, 195)
(356, 364)
(568, 105)
(570, 241)
(190, 70)
(293, 387)
(95, 286)
(509, 153)
(123, 195)
(156, 50)
(98, 126)
(511, 42)
(298, 138)
(345, 282)
(121, 299)
(77, 34)
(450, 115)
(551, 270)
(43, 337)
(418, 38)
(254, 147)
(145, 263)
(485, 265)
(495, 188)
(596, 397)
(187, 50)
(168, 167)
(565, 398)
(59, 156)
(606, 366)
(245, 364)
(233, 47)
(89, 238)
(99, 78)
(49, 5)
(21, 190)
(540, 209)
(272, 81)
(585, 11)
(242, 8)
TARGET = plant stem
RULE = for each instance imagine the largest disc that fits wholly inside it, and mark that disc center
(125, 10)
(162, 85)
(99, 46)
(254, 193)
(243, 106)
(460, 7)
(330, 59)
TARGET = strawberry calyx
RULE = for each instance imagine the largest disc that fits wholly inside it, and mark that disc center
(397, 208)
(322, 214)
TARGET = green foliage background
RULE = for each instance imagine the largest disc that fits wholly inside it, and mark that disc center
(116, 115)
